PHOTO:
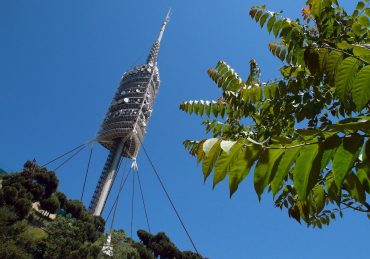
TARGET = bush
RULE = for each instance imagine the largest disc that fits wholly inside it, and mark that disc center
(10, 195)
(50, 204)
(62, 199)
(37, 191)
(22, 207)
(75, 207)
(2, 201)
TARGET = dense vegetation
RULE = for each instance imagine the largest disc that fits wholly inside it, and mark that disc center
(305, 135)
(73, 233)
(25, 233)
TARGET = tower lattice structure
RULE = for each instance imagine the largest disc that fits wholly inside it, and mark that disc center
(125, 123)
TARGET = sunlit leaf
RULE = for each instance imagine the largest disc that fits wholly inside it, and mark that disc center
(208, 144)
(305, 172)
(353, 185)
(265, 169)
(210, 159)
(329, 148)
(361, 88)
(271, 23)
(263, 19)
(332, 62)
(345, 156)
(362, 52)
(345, 76)
(285, 163)
(229, 152)
(319, 197)
(241, 166)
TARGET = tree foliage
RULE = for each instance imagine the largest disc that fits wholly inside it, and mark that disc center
(162, 247)
(306, 135)
(25, 234)
(123, 246)
(74, 233)
(50, 204)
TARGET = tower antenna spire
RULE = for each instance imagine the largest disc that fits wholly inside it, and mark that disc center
(152, 58)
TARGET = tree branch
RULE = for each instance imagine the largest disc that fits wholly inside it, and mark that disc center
(344, 52)
(356, 208)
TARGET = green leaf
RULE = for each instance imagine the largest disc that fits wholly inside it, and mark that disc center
(226, 145)
(215, 109)
(367, 11)
(286, 29)
(363, 20)
(199, 151)
(271, 23)
(350, 125)
(210, 159)
(240, 167)
(323, 54)
(358, 29)
(230, 150)
(363, 171)
(305, 170)
(354, 187)
(319, 198)
(360, 5)
(208, 144)
(263, 19)
(282, 55)
(344, 45)
(258, 15)
(332, 62)
(266, 92)
(208, 109)
(332, 189)
(316, 7)
(217, 129)
(277, 27)
(190, 107)
(345, 156)
(361, 88)
(329, 148)
(362, 52)
(265, 169)
(285, 163)
(363, 174)
(345, 77)
(196, 107)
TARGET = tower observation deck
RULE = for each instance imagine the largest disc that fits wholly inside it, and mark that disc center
(124, 125)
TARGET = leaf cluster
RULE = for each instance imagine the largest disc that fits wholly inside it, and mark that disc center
(305, 135)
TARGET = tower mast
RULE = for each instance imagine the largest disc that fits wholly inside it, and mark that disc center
(124, 125)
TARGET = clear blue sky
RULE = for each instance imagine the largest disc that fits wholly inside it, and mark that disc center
(60, 64)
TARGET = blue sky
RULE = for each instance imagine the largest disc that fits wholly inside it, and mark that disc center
(60, 64)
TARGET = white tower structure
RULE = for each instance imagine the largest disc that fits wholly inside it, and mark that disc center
(124, 125)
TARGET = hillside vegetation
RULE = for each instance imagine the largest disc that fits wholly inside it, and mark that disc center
(63, 228)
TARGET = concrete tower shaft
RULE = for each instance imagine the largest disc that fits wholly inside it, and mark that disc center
(124, 125)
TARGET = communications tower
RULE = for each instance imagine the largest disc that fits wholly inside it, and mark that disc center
(124, 125)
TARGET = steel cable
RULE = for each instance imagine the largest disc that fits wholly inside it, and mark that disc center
(169, 198)
(142, 198)
(69, 158)
(123, 181)
(87, 172)
(132, 202)
(59, 157)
